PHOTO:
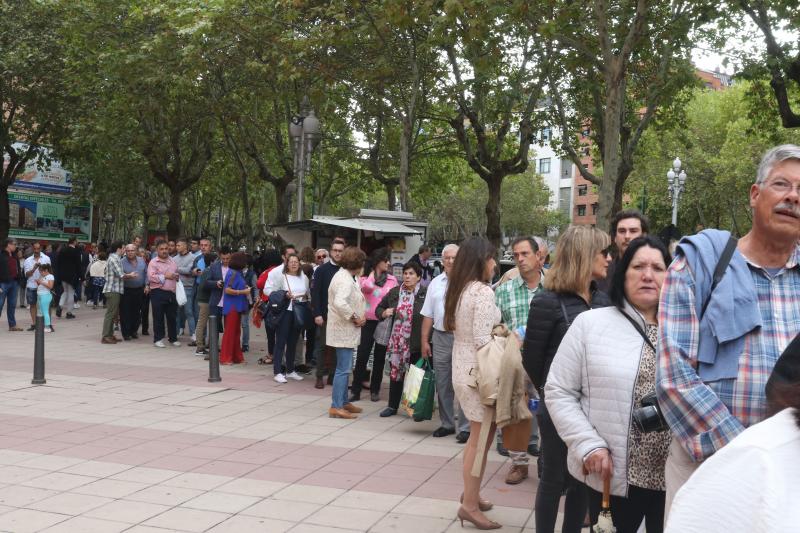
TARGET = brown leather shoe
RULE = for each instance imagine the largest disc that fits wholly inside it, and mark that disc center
(108, 340)
(320, 384)
(350, 408)
(340, 413)
(516, 474)
(14, 328)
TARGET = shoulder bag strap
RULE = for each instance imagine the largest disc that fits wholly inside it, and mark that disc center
(719, 271)
(639, 330)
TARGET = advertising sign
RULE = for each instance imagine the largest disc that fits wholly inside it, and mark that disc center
(41, 217)
(52, 177)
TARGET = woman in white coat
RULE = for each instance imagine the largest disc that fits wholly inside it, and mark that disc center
(603, 369)
(346, 315)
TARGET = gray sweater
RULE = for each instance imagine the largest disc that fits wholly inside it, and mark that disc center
(185, 263)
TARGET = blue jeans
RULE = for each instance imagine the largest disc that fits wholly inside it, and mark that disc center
(186, 312)
(9, 292)
(344, 365)
(285, 343)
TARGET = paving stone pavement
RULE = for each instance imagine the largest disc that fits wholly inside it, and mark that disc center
(132, 438)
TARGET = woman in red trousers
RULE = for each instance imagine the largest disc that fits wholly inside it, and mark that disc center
(234, 304)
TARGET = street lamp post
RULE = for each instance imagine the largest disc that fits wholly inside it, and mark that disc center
(676, 179)
(304, 131)
(108, 219)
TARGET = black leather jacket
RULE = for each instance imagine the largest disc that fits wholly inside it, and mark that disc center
(547, 326)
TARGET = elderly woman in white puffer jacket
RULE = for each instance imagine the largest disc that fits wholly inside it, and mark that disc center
(604, 366)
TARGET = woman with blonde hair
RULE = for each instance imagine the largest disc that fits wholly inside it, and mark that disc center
(581, 258)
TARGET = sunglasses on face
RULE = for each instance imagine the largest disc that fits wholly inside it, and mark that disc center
(322, 257)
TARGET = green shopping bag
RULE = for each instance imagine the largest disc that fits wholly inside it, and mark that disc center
(423, 409)
(411, 386)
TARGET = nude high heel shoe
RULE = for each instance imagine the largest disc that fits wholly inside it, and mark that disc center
(482, 524)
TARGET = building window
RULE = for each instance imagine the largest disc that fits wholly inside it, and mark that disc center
(546, 134)
(585, 133)
(544, 165)
(582, 190)
(564, 200)
(581, 210)
(594, 209)
(585, 151)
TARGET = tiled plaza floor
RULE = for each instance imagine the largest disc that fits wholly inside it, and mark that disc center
(133, 438)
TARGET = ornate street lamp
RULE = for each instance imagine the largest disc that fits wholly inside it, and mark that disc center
(304, 131)
(108, 219)
(676, 179)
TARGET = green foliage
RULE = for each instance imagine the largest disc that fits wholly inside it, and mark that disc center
(720, 150)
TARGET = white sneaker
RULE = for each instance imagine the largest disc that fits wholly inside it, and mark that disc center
(159, 344)
(193, 338)
(176, 343)
(49, 330)
(280, 378)
(77, 305)
(295, 376)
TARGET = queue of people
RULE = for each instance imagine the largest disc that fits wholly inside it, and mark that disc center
(668, 387)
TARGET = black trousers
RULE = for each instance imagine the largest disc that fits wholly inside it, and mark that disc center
(396, 387)
(164, 306)
(628, 513)
(130, 310)
(145, 314)
(362, 356)
(554, 480)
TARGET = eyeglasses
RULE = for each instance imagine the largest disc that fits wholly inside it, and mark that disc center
(782, 186)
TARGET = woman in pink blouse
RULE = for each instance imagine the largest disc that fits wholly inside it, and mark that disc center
(374, 285)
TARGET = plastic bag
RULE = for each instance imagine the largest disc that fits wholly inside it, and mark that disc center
(423, 409)
(180, 293)
(411, 386)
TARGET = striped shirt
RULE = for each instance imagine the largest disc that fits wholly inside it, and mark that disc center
(113, 274)
(704, 417)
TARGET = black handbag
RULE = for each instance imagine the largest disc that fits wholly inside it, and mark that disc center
(302, 314)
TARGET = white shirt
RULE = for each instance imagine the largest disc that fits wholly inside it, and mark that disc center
(749, 485)
(434, 301)
(42, 289)
(28, 265)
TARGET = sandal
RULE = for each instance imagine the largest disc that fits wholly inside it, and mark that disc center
(266, 360)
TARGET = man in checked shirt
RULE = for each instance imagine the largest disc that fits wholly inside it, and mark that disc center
(713, 366)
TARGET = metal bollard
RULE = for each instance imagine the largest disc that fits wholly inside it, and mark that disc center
(38, 353)
(213, 349)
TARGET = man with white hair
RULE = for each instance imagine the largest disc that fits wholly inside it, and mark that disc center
(719, 338)
(442, 352)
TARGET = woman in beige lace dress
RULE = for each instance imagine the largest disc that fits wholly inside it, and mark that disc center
(470, 312)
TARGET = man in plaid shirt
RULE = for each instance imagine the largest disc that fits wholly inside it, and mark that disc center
(755, 310)
(514, 300)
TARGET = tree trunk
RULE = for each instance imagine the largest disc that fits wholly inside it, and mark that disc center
(405, 162)
(282, 202)
(493, 232)
(391, 195)
(248, 224)
(174, 214)
(612, 159)
(5, 214)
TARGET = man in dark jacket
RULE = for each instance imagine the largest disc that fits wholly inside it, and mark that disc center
(9, 281)
(216, 277)
(69, 272)
(319, 308)
(422, 258)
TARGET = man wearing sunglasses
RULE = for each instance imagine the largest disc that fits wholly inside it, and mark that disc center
(321, 257)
